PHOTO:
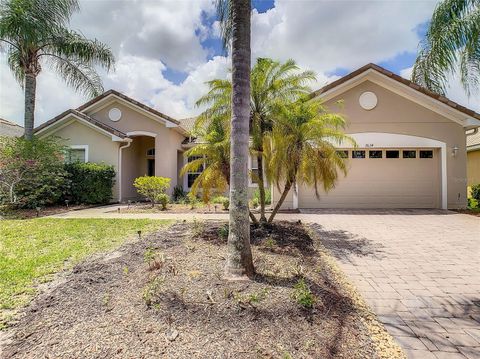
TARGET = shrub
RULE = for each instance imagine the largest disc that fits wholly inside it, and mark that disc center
(476, 191)
(179, 194)
(303, 295)
(163, 200)
(90, 183)
(473, 203)
(192, 199)
(32, 172)
(152, 187)
(268, 195)
(224, 201)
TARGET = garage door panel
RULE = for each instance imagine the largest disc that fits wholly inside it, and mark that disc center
(381, 183)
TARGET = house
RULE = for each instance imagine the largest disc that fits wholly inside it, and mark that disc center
(473, 157)
(10, 129)
(411, 143)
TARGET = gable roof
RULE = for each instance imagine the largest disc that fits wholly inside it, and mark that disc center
(473, 141)
(188, 123)
(129, 100)
(401, 80)
(8, 128)
(82, 116)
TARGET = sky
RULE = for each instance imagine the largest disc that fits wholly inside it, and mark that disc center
(167, 49)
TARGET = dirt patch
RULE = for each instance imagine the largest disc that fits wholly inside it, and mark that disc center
(165, 296)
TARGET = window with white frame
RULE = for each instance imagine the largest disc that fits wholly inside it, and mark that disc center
(192, 175)
(77, 153)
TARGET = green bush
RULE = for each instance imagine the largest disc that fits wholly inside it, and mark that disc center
(152, 187)
(90, 183)
(163, 200)
(476, 191)
(224, 201)
(179, 195)
(32, 172)
(473, 203)
(268, 196)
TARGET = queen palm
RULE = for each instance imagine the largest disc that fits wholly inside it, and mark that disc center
(272, 84)
(451, 46)
(34, 33)
(301, 149)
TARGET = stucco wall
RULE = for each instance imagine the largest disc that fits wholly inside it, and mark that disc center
(167, 140)
(101, 148)
(473, 167)
(396, 114)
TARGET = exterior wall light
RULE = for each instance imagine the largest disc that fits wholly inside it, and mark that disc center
(455, 151)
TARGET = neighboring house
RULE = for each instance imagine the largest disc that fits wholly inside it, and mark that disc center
(473, 158)
(10, 129)
(411, 154)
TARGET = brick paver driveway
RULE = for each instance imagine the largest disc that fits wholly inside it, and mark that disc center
(420, 272)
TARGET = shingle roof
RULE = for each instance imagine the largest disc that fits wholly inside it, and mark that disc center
(187, 123)
(91, 120)
(128, 99)
(8, 128)
(404, 81)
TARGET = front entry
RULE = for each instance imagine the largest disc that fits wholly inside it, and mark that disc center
(151, 167)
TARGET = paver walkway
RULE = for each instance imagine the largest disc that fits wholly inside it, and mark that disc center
(418, 270)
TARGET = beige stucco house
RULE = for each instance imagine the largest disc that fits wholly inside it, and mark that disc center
(411, 143)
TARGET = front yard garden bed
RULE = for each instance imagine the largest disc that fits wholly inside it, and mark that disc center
(165, 297)
(172, 208)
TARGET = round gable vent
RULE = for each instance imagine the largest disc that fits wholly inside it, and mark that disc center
(114, 114)
(368, 100)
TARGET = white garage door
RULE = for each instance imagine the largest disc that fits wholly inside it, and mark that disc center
(383, 178)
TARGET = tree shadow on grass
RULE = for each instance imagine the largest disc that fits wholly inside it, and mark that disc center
(343, 244)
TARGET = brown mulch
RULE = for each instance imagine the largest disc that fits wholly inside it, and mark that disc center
(29, 213)
(472, 212)
(165, 297)
(172, 208)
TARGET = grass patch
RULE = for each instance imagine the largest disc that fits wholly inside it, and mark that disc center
(31, 251)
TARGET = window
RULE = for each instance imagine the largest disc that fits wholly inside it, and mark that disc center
(426, 154)
(358, 154)
(254, 169)
(374, 154)
(392, 154)
(192, 176)
(342, 154)
(410, 154)
(151, 152)
(77, 153)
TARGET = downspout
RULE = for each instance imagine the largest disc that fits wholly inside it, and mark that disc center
(129, 142)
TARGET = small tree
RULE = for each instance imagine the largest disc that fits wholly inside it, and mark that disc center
(152, 187)
(302, 148)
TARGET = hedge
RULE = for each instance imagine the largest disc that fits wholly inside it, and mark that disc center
(90, 183)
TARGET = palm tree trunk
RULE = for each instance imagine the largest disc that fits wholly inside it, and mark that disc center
(261, 189)
(30, 89)
(287, 187)
(239, 259)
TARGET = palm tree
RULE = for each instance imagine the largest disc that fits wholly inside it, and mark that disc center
(34, 33)
(451, 45)
(301, 149)
(234, 18)
(272, 84)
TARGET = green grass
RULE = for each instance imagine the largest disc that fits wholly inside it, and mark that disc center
(31, 251)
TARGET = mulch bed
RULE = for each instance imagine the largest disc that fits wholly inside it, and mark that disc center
(172, 208)
(165, 297)
(472, 212)
(29, 213)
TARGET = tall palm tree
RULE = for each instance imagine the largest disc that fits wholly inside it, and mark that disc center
(34, 33)
(301, 149)
(234, 16)
(451, 45)
(272, 84)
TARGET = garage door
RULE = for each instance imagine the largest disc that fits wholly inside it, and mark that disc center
(383, 178)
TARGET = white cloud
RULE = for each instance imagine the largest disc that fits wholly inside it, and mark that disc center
(455, 92)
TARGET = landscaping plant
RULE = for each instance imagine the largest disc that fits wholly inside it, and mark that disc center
(32, 173)
(152, 188)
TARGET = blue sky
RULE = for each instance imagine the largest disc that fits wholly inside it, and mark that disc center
(166, 50)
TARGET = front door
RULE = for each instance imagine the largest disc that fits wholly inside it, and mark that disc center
(151, 167)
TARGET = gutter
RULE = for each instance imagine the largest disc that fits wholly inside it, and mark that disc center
(129, 142)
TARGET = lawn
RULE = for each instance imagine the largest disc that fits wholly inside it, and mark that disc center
(32, 251)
